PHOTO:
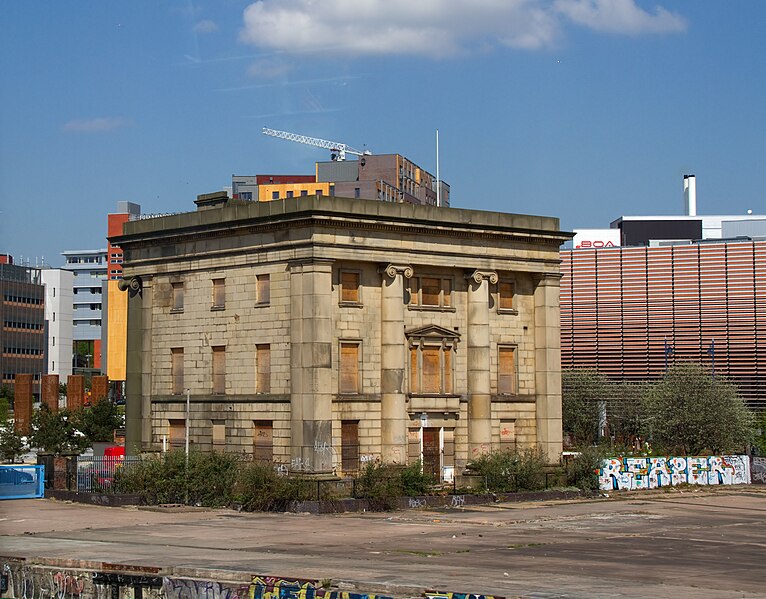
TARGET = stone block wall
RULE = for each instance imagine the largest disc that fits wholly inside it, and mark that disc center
(22, 403)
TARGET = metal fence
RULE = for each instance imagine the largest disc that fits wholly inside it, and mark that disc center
(96, 473)
(22, 482)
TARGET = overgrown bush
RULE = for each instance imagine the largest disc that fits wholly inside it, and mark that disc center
(582, 470)
(415, 481)
(380, 484)
(258, 487)
(504, 471)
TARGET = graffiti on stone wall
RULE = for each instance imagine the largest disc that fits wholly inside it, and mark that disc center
(185, 588)
(663, 471)
(759, 470)
(433, 595)
(41, 582)
(268, 587)
(45, 583)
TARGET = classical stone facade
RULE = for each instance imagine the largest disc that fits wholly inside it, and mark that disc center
(324, 332)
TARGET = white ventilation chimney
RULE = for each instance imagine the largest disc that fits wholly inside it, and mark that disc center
(690, 195)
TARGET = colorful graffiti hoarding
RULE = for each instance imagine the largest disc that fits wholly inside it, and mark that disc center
(758, 470)
(634, 473)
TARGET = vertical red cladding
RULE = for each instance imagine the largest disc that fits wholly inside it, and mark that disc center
(114, 254)
(97, 353)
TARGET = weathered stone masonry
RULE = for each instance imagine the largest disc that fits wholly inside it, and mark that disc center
(402, 363)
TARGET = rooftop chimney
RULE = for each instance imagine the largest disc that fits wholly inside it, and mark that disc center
(690, 195)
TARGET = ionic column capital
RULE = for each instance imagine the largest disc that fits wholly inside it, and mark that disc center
(395, 269)
(483, 275)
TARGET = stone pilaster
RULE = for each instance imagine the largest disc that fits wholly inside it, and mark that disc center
(138, 382)
(393, 358)
(548, 366)
(479, 398)
(311, 393)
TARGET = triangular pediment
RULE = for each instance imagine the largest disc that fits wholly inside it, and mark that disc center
(431, 331)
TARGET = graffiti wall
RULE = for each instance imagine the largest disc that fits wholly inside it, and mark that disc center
(758, 470)
(662, 471)
(268, 587)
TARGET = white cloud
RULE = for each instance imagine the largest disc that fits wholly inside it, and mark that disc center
(95, 125)
(206, 26)
(436, 27)
(620, 16)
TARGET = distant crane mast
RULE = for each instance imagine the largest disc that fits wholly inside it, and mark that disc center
(339, 150)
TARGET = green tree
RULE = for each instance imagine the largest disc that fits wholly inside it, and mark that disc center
(625, 411)
(6, 393)
(688, 412)
(12, 444)
(583, 391)
(99, 421)
(57, 432)
(759, 439)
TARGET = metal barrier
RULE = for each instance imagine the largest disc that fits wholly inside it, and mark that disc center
(22, 482)
(96, 473)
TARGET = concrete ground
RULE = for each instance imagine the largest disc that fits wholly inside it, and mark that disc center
(680, 543)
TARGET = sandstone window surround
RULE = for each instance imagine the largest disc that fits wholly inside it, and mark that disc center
(177, 370)
(219, 435)
(506, 292)
(178, 297)
(431, 292)
(432, 358)
(177, 432)
(263, 368)
(262, 289)
(349, 444)
(507, 373)
(350, 367)
(219, 294)
(219, 369)
(350, 288)
(263, 441)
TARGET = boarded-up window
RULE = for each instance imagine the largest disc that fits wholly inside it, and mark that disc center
(219, 369)
(431, 369)
(177, 368)
(263, 440)
(505, 290)
(263, 289)
(349, 367)
(177, 430)
(506, 371)
(349, 282)
(178, 296)
(219, 293)
(431, 377)
(219, 435)
(263, 368)
(349, 440)
(507, 435)
(431, 292)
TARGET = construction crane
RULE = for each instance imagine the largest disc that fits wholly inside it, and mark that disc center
(338, 149)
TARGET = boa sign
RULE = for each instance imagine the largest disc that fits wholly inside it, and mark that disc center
(649, 473)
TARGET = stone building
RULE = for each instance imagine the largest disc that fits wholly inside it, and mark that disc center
(324, 332)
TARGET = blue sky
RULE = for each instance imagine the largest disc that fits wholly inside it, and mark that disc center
(581, 109)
